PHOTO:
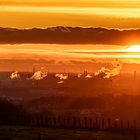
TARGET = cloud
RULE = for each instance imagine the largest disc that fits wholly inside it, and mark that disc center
(73, 3)
(70, 35)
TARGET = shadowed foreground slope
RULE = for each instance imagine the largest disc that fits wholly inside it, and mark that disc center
(32, 133)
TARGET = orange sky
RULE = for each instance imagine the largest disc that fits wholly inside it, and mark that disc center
(44, 13)
(72, 58)
(70, 52)
(86, 13)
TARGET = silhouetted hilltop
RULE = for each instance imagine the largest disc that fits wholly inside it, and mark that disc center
(69, 35)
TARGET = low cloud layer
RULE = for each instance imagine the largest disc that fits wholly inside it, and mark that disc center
(69, 35)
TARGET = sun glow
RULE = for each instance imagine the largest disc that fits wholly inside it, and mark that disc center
(135, 48)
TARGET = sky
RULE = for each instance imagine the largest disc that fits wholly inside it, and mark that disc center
(86, 13)
(120, 14)
(65, 53)
(67, 58)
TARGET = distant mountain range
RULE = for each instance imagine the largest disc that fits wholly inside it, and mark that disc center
(70, 35)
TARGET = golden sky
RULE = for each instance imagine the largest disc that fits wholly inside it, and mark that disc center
(73, 58)
(68, 52)
(95, 13)
(86, 13)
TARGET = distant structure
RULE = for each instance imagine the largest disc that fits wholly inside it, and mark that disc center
(33, 69)
(135, 75)
(134, 83)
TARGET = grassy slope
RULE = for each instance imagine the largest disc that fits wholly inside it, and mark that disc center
(31, 133)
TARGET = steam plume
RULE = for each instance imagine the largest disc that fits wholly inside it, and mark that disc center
(79, 75)
(117, 66)
(60, 82)
(15, 75)
(88, 76)
(39, 75)
(62, 76)
(107, 73)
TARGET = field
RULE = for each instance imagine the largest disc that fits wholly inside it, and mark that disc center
(33, 133)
